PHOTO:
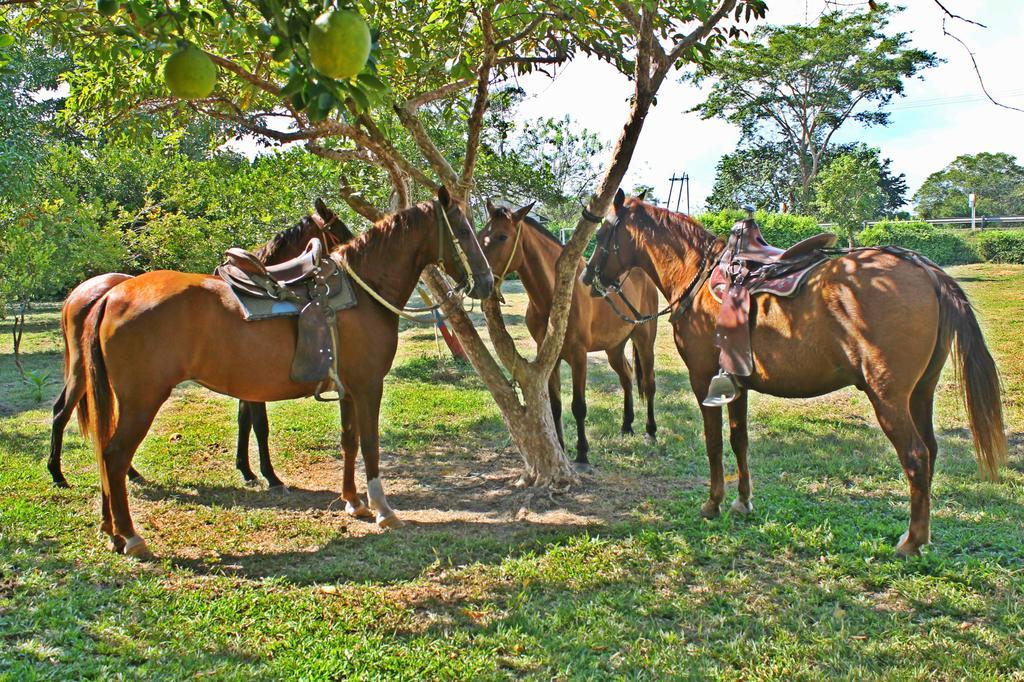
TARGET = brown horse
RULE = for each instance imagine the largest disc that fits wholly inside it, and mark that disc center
(152, 332)
(323, 225)
(869, 319)
(514, 242)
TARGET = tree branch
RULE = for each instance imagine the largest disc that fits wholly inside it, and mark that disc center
(426, 146)
(476, 117)
(974, 62)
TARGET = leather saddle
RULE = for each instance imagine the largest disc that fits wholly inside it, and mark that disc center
(749, 265)
(310, 286)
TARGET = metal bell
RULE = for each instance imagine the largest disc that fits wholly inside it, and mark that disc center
(721, 391)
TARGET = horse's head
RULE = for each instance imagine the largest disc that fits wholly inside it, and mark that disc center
(616, 251)
(458, 249)
(501, 238)
(329, 227)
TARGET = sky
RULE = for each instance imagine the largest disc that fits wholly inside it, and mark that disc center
(942, 115)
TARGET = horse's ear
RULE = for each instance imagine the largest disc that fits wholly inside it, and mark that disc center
(322, 210)
(642, 194)
(491, 208)
(620, 199)
(523, 212)
(444, 197)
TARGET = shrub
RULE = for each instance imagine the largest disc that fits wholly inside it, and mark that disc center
(779, 229)
(945, 247)
(1001, 246)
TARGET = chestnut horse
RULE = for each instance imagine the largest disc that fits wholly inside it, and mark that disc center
(514, 242)
(871, 319)
(154, 331)
(323, 225)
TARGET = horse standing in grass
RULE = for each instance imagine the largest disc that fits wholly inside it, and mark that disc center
(323, 225)
(514, 242)
(879, 321)
(152, 332)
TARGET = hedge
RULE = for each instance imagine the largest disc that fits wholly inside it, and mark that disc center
(945, 247)
(780, 229)
(1001, 246)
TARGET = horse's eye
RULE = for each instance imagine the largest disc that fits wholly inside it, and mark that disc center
(502, 237)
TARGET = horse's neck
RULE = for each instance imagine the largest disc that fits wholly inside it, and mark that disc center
(391, 260)
(674, 256)
(538, 270)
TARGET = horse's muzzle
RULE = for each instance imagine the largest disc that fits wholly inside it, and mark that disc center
(483, 285)
(587, 280)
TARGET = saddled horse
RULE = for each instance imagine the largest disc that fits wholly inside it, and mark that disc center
(323, 225)
(874, 319)
(514, 242)
(152, 332)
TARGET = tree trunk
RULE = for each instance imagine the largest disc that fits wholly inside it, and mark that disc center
(17, 331)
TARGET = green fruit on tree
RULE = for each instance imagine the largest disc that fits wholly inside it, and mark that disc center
(190, 74)
(339, 43)
(108, 8)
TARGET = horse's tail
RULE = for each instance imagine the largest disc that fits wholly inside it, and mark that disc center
(638, 374)
(975, 372)
(98, 419)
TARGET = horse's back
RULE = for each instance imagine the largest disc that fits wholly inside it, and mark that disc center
(868, 312)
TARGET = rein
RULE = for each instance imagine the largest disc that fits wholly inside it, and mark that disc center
(420, 315)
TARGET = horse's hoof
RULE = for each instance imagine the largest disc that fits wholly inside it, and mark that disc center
(279, 488)
(136, 548)
(742, 508)
(359, 510)
(391, 521)
(650, 438)
(138, 480)
(116, 544)
(61, 483)
(250, 483)
(710, 510)
(905, 549)
(583, 467)
(627, 430)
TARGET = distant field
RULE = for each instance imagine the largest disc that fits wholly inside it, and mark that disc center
(618, 578)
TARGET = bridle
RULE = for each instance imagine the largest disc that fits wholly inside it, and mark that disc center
(593, 276)
(424, 315)
(500, 279)
(326, 237)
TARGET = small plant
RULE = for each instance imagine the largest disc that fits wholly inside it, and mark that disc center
(36, 380)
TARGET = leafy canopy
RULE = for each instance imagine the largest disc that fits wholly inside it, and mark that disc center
(997, 180)
(796, 85)
(848, 193)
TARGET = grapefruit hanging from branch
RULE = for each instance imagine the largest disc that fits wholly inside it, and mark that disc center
(339, 43)
(190, 74)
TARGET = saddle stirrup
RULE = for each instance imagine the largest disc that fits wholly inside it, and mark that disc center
(721, 391)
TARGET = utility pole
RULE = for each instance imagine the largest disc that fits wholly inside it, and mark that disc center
(972, 199)
(683, 180)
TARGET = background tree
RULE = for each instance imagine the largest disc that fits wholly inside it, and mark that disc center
(792, 87)
(996, 178)
(848, 194)
(765, 175)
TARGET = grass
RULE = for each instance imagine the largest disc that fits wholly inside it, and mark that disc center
(620, 579)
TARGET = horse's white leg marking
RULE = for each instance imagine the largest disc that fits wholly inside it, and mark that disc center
(358, 510)
(136, 547)
(386, 516)
(742, 508)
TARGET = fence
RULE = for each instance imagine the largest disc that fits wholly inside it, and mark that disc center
(982, 222)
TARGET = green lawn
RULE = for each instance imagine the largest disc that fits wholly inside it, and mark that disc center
(620, 578)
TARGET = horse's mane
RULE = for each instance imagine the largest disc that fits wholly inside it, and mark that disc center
(385, 227)
(281, 240)
(532, 222)
(651, 219)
